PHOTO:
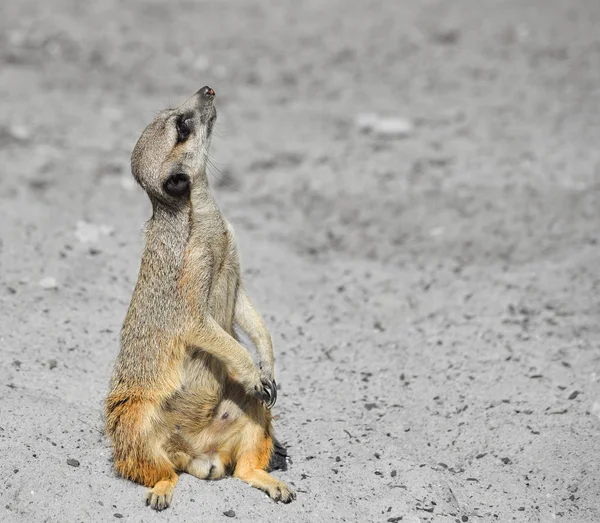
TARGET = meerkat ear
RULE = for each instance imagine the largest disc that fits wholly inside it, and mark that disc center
(177, 185)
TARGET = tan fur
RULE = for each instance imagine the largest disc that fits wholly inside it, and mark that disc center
(185, 393)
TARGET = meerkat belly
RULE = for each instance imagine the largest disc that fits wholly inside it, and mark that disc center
(192, 406)
(206, 416)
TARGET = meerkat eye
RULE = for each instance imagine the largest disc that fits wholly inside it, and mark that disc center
(177, 185)
(183, 129)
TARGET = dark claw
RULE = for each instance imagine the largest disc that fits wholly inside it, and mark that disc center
(272, 394)
(268, 394)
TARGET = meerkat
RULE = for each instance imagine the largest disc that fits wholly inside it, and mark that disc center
(185, 395)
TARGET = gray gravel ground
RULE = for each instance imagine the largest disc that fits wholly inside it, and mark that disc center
(433, 296)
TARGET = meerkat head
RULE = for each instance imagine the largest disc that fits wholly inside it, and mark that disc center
(172, 151)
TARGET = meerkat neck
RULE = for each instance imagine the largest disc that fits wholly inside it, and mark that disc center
(167, 230)
(202, 199)
(170, 217)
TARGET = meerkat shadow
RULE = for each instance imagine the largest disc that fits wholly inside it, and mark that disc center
(279, 457)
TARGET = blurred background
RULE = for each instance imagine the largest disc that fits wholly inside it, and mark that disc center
(415, 189)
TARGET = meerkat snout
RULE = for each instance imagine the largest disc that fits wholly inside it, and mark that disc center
(172, 151)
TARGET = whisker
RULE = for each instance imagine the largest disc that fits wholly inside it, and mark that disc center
(222, 178)
(217, 133)
(216, 130)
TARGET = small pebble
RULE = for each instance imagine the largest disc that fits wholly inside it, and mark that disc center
(229, 513)
(87, 232)
(506, 461)
(366, 121)
(378, 326)
(117, 515)
(48, 283)
(19, 132)
(73, 462)
(446, 36)
(384, 127)
(52, 364)
(393, 128)
(573, 394)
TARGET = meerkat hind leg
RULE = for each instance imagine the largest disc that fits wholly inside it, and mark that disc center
(250, 468)
(255, 477)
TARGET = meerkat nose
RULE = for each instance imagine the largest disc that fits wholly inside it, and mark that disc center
(206, 92)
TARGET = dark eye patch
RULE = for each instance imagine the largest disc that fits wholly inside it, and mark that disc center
(177, 185)
(184, 127)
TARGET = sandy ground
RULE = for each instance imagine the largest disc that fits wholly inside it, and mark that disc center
(432, 297)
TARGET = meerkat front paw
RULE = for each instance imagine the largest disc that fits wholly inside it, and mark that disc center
(267, 378)
(263, 388)
(268, 394)
(269, 386)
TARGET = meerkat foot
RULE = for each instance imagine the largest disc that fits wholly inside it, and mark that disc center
(275, 489)
(279, 491)
(159, 497)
